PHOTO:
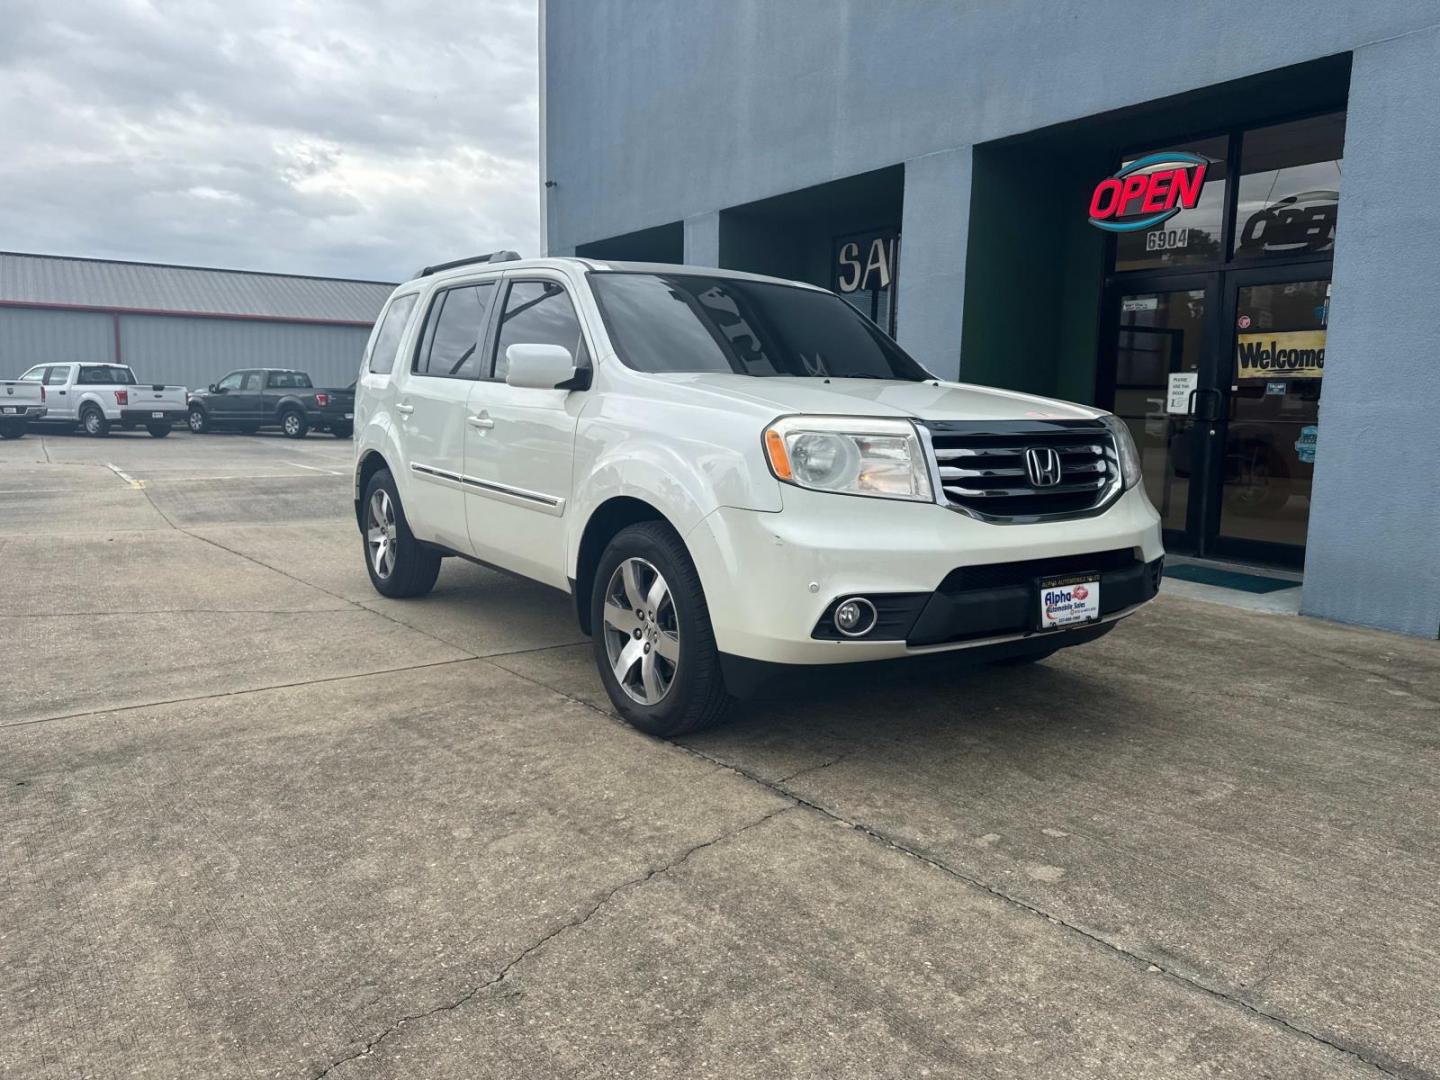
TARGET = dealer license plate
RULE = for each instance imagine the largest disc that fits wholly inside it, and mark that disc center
(1069, 600)
(11, 409)
(157, 416)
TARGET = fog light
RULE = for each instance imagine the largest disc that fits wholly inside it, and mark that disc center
(854, 617)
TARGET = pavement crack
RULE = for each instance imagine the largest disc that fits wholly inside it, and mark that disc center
(1381, 1063)
(571, 924)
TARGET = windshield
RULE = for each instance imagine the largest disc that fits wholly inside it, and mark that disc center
(106, 375)
(695, 323)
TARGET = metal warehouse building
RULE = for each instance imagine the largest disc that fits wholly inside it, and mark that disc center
(181, 324)
(1217, 220)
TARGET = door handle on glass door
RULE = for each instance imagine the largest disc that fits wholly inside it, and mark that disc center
(404, 409)
(482, 421)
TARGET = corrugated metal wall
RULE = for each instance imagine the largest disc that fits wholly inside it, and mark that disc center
(30, 336)
(197, 352)
(170, 349)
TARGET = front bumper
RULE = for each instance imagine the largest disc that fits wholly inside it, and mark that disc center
(770, 578)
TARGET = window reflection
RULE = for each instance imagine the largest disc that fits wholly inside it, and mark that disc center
(1290, 188)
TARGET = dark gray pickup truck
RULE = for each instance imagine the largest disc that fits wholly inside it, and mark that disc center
(253, 398)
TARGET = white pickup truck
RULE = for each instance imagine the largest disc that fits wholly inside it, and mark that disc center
(97, 396)
(733, 475)
(20, 403)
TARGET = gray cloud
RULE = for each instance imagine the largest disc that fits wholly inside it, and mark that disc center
(331, 137)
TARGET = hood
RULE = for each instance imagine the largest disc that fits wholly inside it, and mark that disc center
(875, 397)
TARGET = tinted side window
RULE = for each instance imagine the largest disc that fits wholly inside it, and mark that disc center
(539, 313)
(33, 375)
(252, 381)
(289, 380)
(57, 376)
(231, 381)
(450, 347)
(387, 341)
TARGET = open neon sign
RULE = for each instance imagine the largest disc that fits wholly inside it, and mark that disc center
(1156, 186)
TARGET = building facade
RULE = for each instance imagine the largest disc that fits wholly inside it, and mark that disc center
(181, 324)
(1213, 219)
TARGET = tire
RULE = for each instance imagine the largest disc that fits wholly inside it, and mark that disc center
(343, 431)
(294, 424)
(12, 430)
(683, 689)
(158, 431)
(199, 421)
(399, 565)
(94, 422)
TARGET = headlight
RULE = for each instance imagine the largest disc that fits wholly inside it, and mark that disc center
(1125, 449)
(850, 455)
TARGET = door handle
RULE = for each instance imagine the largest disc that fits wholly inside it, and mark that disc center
(404, 409)
(1209, 393)
(481, 421)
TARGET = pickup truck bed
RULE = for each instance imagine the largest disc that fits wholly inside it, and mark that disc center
(20, 402)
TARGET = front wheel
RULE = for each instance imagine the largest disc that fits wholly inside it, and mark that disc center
(294, 425)
(94, 423)
(158, 430)
(653, 641)
(399, 566)
(199, 422)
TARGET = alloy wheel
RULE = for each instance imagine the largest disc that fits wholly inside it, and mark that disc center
(642, 632)
(292, 423)
(380, 535)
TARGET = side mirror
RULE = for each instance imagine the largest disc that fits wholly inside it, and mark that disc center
(544, 367)
(211, 388)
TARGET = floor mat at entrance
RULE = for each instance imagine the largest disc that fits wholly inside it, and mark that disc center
(1229, 579)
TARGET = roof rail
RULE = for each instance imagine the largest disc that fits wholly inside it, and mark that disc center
(493, 256)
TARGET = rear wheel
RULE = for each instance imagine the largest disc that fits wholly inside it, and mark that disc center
(398, 564)
(158, 430)
(94, 422)
(653, 641)
(12, 429)
(199, 422)
(293, 424)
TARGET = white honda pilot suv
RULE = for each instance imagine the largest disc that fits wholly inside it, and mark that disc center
(731, 474)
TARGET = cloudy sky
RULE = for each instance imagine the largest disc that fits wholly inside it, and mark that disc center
(337, 137)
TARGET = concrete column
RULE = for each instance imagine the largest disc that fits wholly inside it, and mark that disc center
(1375, 516)
(933, 233)
(702, 239)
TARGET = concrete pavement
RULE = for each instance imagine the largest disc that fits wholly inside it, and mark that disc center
(257, 821)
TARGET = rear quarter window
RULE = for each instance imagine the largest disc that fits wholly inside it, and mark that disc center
(392, 329)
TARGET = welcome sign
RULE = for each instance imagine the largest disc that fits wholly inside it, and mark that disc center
(1283, 354)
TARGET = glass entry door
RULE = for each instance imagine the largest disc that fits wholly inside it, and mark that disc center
(1218, 377)
(1272, 416)
(1163, 356)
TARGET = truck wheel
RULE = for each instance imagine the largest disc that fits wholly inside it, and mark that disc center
(293, 424)
(653, 641)
(94, 422)
(12, 430)
(342, 431)
(199, 422)
(158, 430)
(398, 564)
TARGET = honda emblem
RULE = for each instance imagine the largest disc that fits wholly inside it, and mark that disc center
(1042, 463)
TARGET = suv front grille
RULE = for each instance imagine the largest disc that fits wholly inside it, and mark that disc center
(983, 468)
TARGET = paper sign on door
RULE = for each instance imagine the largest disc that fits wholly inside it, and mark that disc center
(1177, 392)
